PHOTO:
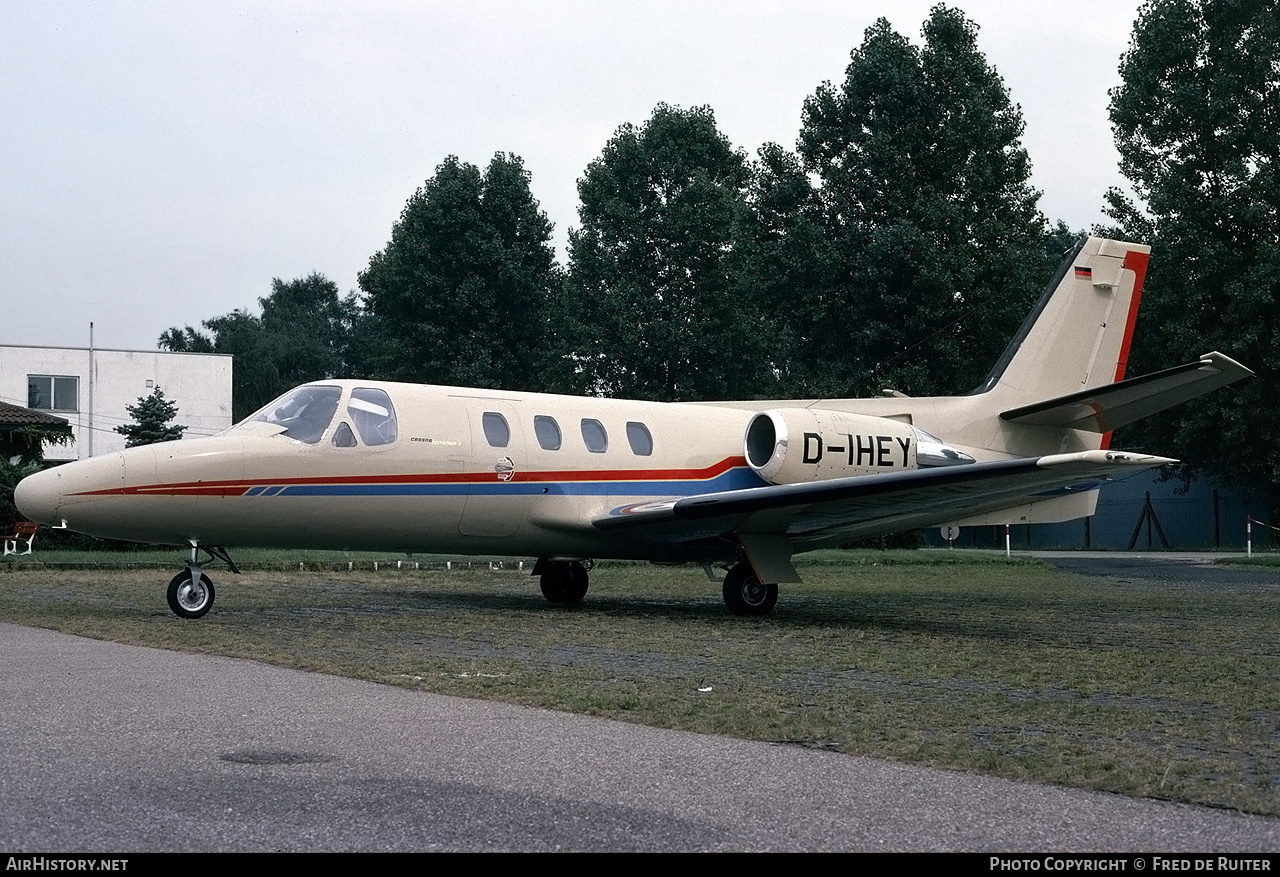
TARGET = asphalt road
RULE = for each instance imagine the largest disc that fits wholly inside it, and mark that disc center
(105, 748)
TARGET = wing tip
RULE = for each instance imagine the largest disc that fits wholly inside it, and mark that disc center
(1224, 363)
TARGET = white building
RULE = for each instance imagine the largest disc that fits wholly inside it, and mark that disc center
(91, 389)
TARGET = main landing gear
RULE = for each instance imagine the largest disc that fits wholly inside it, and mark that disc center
(563, 581)
(745, 594)
(191, 591)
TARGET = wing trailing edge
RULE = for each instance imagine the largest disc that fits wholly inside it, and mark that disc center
(814, 510)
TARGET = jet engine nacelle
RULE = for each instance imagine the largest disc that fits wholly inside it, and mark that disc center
(796, 445)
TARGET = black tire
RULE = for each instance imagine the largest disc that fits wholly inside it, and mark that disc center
(745, 594)
(553, 582)
(579, 581)
(564, 582)
(187, 601)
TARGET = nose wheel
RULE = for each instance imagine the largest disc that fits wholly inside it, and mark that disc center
(190, 593)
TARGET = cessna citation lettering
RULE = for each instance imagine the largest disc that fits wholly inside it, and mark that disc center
(372, 465)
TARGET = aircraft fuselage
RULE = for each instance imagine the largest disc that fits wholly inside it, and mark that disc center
(442, 485)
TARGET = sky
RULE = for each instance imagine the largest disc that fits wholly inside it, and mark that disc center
(161, 163)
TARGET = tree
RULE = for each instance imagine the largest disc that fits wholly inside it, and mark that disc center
(649, 302)
(458, 295)
(309, 325)
(785, 263)
(304, 334)
(11, 472)
(22, 454)
(936, 239)
(1197, 125)
(186, 340)
(151, 416)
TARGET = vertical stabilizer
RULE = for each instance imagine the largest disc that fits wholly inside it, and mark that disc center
(1078, 335)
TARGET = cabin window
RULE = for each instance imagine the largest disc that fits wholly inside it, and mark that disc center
(343, 437)
(305, 413)
(639, 438)
(594, 436)
(373, 415)
(496, 430)
(547, 431)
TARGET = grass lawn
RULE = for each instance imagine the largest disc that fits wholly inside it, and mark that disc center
(953, 659)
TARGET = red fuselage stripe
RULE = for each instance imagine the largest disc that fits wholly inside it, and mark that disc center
(235, 488)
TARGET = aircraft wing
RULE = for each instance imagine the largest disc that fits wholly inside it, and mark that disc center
(837, 510)
(1105, 408)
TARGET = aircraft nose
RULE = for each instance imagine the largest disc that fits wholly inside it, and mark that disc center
(37, 496)
(48, 496)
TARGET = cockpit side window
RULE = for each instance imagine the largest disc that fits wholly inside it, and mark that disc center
(305, 413)
(343, 437)
(373, 416)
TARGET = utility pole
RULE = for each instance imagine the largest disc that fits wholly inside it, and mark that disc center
(89, 445)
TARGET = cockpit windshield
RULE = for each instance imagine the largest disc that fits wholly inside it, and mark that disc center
(304, 413)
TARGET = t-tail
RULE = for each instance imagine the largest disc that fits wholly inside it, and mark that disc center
(1060, 385)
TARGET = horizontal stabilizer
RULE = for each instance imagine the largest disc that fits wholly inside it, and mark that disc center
(1103, 409)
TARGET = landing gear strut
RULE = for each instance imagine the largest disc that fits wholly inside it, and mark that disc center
(745, 594)
(191, 592)
(562, 581)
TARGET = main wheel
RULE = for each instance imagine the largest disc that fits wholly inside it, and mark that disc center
(745, 594)
(564, 582)
(189, 598)
(579, 581)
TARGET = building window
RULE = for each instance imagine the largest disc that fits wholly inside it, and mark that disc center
(52, 393)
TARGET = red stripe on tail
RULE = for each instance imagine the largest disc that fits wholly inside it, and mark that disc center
(1137, 263)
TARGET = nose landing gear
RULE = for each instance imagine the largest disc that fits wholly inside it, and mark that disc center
(191, 592)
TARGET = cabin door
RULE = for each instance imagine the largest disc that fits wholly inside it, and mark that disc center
(497, 503)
